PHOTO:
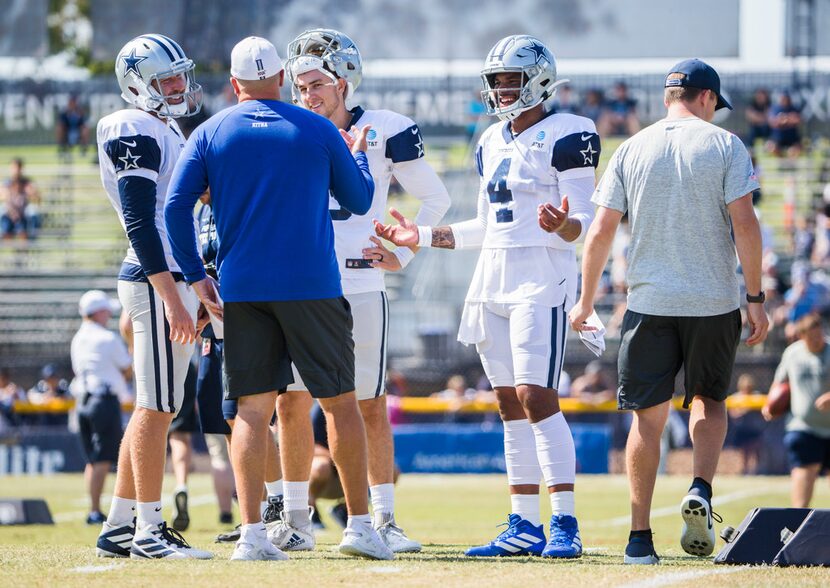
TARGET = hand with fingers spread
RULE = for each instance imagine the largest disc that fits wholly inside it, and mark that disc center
(553, 219)
(404, 234)
(381, 257)
(356, 139)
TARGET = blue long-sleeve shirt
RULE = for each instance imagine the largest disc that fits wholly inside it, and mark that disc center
(271, 167)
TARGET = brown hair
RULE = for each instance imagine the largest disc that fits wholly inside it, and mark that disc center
(680, 93)
(807, 322)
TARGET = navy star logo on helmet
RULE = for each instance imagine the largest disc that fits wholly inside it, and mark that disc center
(538, 50)
(132, 60)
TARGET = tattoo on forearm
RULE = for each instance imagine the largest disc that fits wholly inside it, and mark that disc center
(442, 237)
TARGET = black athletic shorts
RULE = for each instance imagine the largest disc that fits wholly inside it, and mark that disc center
(187, 419)
(99, 425)
(654, 348)
(262, 339)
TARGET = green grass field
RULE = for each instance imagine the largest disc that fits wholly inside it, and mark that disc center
(447, 513)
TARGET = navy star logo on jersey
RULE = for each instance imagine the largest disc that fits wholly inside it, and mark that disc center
(588, 154)
(130, 160)
(131, 61)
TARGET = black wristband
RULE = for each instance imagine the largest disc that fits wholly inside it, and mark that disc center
(759, 299)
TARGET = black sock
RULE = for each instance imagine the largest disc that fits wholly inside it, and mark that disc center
(644, 534)
(702, 488)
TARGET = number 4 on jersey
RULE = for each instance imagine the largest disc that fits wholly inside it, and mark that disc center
(499, 193)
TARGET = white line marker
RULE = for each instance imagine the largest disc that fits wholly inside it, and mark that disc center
(676, 577)
(384, 569)
(96, 569)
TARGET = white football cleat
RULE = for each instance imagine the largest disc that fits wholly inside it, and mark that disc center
(362, 540)
(162, 542)
(262, 551)
(395, 538)
(286, 535)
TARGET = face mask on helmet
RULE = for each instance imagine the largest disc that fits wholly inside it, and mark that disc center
(156, 76)
(337, 51)
(524, 55)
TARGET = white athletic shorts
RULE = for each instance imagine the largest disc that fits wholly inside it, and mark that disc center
(160, 365)
(370, 314)
(523, 344)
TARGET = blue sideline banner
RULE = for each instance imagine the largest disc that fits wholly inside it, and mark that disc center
(35, 453)
(470, 449)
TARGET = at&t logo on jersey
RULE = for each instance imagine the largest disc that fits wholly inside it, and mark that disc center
(373, 139)
(538, 142)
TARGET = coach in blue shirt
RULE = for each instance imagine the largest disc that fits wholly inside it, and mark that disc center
(271, 167)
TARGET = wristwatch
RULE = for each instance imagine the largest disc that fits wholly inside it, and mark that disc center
(759, 299)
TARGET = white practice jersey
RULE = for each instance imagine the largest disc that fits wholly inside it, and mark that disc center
(394, 148)
(520, 262)
(132, 142)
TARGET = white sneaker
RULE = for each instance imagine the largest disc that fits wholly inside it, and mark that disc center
(263, 551)
(395, 539)
(363, 541)
(698, 535)
(162, 542)
(287, 536)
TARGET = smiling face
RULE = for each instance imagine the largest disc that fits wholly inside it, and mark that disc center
(174, 85)
(508, 86)
(320, 94)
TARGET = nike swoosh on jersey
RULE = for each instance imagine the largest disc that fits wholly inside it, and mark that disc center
(414, 131)
(128, 144)
(585, 137)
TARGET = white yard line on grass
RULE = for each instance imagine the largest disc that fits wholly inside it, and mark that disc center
(675, 577)
(78, 515)
(383, 569)
(96, 569)
(675, 509)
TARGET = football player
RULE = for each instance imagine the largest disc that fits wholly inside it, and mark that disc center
(137, 151)
(325, 68)
(537, 176)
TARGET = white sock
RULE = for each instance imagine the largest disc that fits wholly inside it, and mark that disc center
(357, 520)
(122, 510)
(383, 499)
(180, 488)
(562, 503)
(526, 506)
(149, 513)
(296, 496)
(274, 488)
(555, 450)
(253, 533)
(520, 453)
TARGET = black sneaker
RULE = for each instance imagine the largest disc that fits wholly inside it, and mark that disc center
(225, 518)
(316, 521)
(230, 536)
(95, 518)
(273, 510)
(340, 514)
(181, 518)
(640, 550)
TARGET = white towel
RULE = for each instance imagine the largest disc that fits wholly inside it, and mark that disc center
(594, 340)
(217, 324)
(471, 329)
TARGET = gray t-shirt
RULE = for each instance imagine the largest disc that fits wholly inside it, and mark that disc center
(809, 377)
(675, 179)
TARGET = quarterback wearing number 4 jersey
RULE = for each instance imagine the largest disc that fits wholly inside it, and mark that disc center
(324, 67)
(537, 177)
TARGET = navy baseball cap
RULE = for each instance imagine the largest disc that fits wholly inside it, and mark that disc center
(697, 74)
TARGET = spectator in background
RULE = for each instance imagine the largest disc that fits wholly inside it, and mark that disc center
(595, 386)
(457, 394)
(804, 238)
(805, 365)
(807, 295)
(592, 104)
(757, 116)
(102, 368)
(72, 129)
(19, 200)
(563, 101)
(9, 394)
(50, 387)
(785, 123)
(746, 426)
(619, 115)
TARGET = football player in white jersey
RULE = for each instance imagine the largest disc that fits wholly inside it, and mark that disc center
(137, 151)
(324, 67)
(537, 176)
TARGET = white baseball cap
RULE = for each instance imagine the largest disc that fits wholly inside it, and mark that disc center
(95, 300)
(255, 58)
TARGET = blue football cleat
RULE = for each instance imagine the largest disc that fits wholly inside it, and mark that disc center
(564, 538)
(520, 538)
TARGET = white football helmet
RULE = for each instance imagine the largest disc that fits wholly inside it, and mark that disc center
(153, 57)
(526, 55)
(337, 52)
